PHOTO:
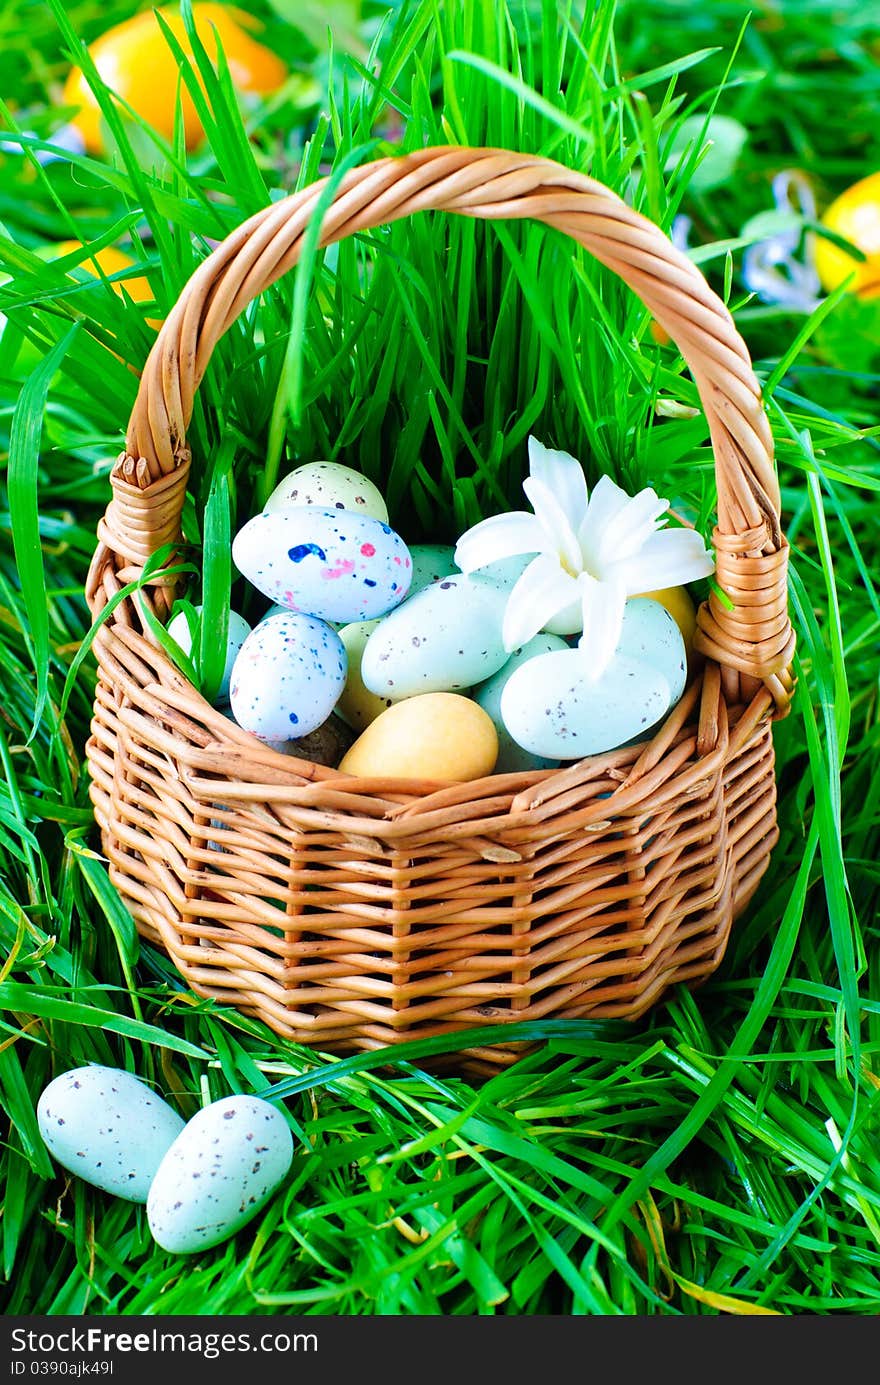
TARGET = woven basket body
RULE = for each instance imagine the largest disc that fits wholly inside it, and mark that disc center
(353, 913)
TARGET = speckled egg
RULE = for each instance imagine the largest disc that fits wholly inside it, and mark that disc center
(680, 605)
(237, 633)
(445, 638)
(436, 736)
(219, 1173)
(329, 486)
(287, 677)
(488, 696)
(505, 572)
(107, 1127)
(357, 705)
(651, 634)
(431, 562)
(551, 709)
(330, 563)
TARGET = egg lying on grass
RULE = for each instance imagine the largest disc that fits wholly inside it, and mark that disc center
(202, 1180)
(107, 1127)
(218, 1174)
(855, 217)
(111, 261)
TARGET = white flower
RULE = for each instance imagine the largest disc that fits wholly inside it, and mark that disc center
(592, 552)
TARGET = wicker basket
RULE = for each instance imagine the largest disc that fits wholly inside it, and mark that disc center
(354, 913)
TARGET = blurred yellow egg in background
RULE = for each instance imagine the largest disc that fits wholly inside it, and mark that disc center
(109, 261)
(136, 62)
(855, 215)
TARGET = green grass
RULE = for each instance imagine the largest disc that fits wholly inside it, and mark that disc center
(720, 1155)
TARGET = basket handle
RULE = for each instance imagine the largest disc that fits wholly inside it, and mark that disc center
(753, 643)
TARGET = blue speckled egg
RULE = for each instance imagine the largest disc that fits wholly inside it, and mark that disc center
(505, 572)
(431, 562)
(334, 564)
(218, 1174)
(287, 677)
(446, 638)
(550, 707)
(511, 756)
(649, 633)
(107, 1127)
(276, 609)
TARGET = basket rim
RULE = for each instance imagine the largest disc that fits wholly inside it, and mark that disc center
(703, 718)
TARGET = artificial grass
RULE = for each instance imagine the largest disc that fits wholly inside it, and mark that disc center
(718, 1156)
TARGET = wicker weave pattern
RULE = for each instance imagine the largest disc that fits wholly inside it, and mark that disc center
(353, 912)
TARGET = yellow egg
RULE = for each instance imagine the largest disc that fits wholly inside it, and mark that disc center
(111, 261)
(679, 603)
(855, 215)
(357, 705)
(135, 61)
(436, 735)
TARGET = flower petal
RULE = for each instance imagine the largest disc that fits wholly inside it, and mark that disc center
(543, 589)
(632, 526)
(502, 536)
(606, 501)
(563, 476)
(561, 538)
(669, 558)
(602, 604)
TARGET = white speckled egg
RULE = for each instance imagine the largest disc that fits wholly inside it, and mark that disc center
(550, 708)
(650, 633)
(329, 563)
(287, 677)
(237, 633)
(430, 561)
(107, 1127)
(330, 486)
(220, 1171)
(445, 638)
(488, 695)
